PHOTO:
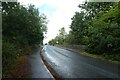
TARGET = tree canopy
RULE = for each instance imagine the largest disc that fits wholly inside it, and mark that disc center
(23, 24)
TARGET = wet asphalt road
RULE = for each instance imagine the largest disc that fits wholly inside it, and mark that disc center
(37, 67)
(73, 65)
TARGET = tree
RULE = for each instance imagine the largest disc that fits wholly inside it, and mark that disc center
(96, 26)
(60, 38)
(25, 26)
(102, 33)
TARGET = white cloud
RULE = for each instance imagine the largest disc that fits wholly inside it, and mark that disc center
(60, 17)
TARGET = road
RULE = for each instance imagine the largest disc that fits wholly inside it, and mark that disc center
(37, 68)
(73, 65)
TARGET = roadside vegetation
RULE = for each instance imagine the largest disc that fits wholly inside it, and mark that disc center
(111, 58)
(22, 28)
(97, 26)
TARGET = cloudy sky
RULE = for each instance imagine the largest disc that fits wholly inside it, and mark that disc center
(58, 12)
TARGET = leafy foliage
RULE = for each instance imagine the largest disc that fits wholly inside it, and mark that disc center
(26, 26)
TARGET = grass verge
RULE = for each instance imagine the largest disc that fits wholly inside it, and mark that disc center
(110, 58)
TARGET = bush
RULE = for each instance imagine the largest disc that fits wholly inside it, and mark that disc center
(102, 41)
(9, 54)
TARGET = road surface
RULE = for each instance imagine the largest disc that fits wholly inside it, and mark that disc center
(73, 65)
(38, 70)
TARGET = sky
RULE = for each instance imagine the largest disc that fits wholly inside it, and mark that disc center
(58, 12)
